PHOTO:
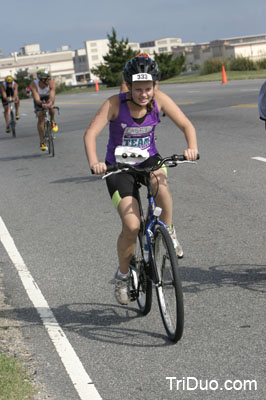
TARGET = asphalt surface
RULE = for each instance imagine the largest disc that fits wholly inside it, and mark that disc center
(65, 228)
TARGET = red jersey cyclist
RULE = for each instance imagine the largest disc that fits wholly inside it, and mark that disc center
(132, 118)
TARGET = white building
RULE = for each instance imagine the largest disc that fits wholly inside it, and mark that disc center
(81, 65)
(164, 45)
(31, 59)
(253, 47)
(96, 49)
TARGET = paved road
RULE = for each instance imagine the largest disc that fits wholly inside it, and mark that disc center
(65, 229)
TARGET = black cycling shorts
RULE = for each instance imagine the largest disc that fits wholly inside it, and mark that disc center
(4, 102)
(124, 184)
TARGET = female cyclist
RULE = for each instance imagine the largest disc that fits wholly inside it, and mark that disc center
(132, 118)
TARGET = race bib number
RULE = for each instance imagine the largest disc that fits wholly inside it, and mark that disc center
(142, 77)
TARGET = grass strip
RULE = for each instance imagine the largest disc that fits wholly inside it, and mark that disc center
(15, 384)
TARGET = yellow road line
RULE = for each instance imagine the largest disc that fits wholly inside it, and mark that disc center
(245, 106)
(89, 102)
(77, 102)
(185, 103)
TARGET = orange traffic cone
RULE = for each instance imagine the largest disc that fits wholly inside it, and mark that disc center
(96, 86)
(224, 78)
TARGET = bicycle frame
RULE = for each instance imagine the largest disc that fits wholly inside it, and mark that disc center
(47, 115)
(149, 225)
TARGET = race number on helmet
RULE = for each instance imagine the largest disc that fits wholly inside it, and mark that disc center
(141, 77)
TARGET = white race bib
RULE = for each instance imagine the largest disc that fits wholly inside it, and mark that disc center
(141, 77)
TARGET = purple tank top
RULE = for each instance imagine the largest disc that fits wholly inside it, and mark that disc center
(124, 131)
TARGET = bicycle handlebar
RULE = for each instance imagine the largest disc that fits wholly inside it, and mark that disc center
(171, 161)
(45, 110)
(54, 107)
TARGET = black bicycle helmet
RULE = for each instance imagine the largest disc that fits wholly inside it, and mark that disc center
(43, 76)
(141, 64)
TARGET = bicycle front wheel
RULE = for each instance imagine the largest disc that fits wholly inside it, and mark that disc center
(50, 140)
(169, 290)
(13, 123)
(140, 282)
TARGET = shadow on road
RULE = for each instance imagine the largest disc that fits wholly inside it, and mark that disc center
(100, 322)
(78, 179)
(28, 157)
(247, 276)
(111, 323)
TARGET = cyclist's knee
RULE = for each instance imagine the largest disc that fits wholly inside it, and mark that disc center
(130, 231)
(40, 118)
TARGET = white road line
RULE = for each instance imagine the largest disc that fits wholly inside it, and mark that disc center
(81, 380)
(259, 159)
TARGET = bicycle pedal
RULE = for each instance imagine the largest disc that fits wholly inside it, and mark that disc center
(133, 295)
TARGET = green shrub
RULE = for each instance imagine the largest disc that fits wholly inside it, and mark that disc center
(213, 65)
(62, 88)
(195, 67)
(262, 63)
(23, 80)
(242, 64)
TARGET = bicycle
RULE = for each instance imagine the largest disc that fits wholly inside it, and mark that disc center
(154, 260)
(11, 118)
(48, 136)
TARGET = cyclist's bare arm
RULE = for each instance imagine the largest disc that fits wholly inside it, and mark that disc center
(16, 92)
(3, 92)
(170, 108)
(52, 87)
(106, 113)
(35, 93)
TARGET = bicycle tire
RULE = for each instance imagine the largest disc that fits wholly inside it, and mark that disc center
(139, 279)
(169, 291)
(12, 123)
(50, 140)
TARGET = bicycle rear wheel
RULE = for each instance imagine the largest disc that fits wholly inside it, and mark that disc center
(140, 282)
(12, 123)
(169, 291)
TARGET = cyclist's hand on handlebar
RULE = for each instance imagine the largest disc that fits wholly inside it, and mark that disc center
(98, 168)
(47, 105)
(191, 154)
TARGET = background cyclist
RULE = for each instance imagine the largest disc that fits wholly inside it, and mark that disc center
(138, 108)
(43, 93)
(9, 88)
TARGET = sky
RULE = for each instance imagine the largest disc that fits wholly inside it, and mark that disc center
(55, 23)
